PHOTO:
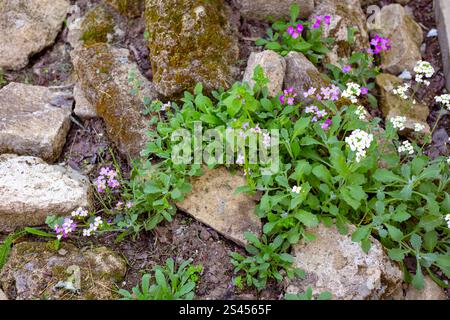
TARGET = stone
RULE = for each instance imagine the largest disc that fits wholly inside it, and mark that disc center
(212, 201)
(391, 105)
(33, 122)
(3, 296)
(35, 271)
(129, 8)
(431, 291)
(83, 108)
(27, 27)
(301, 73)
(276, 9)
(442, 13)
(344, 14)
(31, 190)
(274, 68)
(96, 25)
(191, 41)
(333, 262)
(370, 2)
(103, 74)
(406, 37)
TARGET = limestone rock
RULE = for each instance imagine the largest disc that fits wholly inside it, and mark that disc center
(212, 201)
(301, 73)
(83, 108)
(190, 41)
(334, 263)
(34, 271)
(344, 14)
(103, 73)
(369, 2)
(3, 296)
(277, 9)
(406, 37)
(129, 8)
(31, 123)
(274, 68)
(27, 27)
(442, 8)
(392, 105)
(31, 190)
(431, 292)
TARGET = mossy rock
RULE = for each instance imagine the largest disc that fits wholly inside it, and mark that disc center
(96, 25)
(35, 269)
(190, 41)
(103, 74)
(129, 8)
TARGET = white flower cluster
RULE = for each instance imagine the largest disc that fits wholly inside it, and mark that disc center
(80, 213)
(361, 113)
(444, 100)
(359, 141)
(402, 91)
(418, 127)
(352, 92)
(447, 219)
(93, 227)
(297, 189)
(424, 70)
(398, 122)
(406, 147)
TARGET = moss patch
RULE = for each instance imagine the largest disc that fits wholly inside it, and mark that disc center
(96, 25)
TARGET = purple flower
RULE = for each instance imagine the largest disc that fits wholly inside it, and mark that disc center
(346, 68)
(319, 19)
(379, 44)
(295, 32)
(326, 125)
(288, 96)
(364, 90)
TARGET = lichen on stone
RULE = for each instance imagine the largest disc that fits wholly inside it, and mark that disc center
(96, 25)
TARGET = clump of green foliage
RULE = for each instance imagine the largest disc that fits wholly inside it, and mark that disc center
(169, 283)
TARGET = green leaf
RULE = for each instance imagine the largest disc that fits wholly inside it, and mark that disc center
(386, 176)
(307, 218)
(295, 11)
(430, 240)
(321, 172)
(300, 127)
(416, 241)
(430, 222)
(395, 233)
(361, 233)
(152, 188)
(325, 296)
(396, 254)
(418, 280)
(39, 233)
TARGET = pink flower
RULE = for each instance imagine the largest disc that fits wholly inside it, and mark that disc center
(346, 69)
(319, 19)
(380, 44)
(295, 32)
(364, 90)
(288, 96)
(326, 125)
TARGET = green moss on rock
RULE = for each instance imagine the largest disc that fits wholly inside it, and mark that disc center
(190, 41)
(129, 8)
(96, 25)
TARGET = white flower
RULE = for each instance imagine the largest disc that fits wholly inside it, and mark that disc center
(398, 122)
(402, 91)
(166, 106)
(447, 219)
(352, 92)
(80, 213)
(240, 159)
(418, 127)
(406, 147)
(359, 141)
(444, 100)
(448, 160)
(297, 189)
(361, 113)
(423, 69)
(266, 140)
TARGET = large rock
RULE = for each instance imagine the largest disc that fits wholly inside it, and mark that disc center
(35, 271)
(3, 296)
(392, 105)
(129, 8)
(190, 41)
(276, 9)
(31, 190)
(369, 2)
(334, 263)
(27, 27)
(103, 74)
(406, 37)
(301, 74)
(96, 25)
(344, 14)
(31, 121)
(274, 68)
(213, 202)
(442, 14)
